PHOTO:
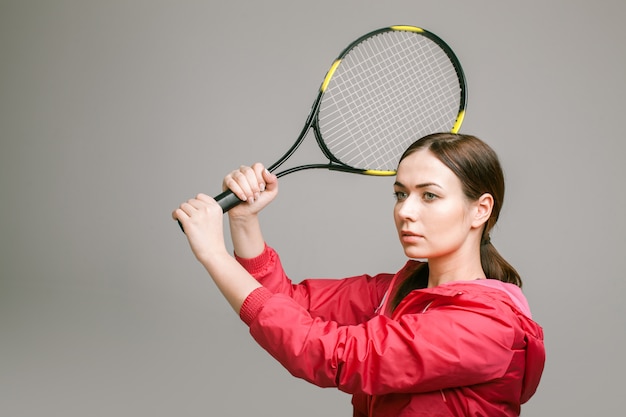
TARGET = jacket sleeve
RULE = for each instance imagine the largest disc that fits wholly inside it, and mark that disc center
(347, 301)
(453, 345)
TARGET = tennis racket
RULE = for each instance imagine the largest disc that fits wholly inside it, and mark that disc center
(385, 90)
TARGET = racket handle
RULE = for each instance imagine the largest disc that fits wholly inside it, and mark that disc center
(226, 200)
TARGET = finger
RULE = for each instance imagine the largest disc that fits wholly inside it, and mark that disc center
(238, 183)
(254, 179)
(269, 179)
(229, 183)
(204, 198)
(242, 183)
(205, 205)
(259, 170)
(190, 204)
(180, 215)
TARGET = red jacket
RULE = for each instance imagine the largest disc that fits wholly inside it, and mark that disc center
(459, 349)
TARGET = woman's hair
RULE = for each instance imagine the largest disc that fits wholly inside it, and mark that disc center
(478, 168)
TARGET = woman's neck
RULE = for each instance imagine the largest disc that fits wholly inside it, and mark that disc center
(457, 268)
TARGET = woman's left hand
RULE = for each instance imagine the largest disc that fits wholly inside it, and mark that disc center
(203, 221)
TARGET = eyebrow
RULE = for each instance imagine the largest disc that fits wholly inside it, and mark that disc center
(423, 185)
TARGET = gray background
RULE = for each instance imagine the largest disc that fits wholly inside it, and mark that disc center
(113, 112)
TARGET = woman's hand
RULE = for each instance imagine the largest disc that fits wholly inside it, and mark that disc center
(254, 185)
(202, 220)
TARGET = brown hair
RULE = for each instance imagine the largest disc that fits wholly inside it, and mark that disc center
(477, 166)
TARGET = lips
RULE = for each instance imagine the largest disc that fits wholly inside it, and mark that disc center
(410, 237)
(409, 233)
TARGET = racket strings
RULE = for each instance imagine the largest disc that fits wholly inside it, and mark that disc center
(388, 90)
(386, 93)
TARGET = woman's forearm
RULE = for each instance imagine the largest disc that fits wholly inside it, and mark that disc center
(248, 241)
(233, 281)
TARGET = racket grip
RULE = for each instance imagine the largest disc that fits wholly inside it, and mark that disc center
(226, 200)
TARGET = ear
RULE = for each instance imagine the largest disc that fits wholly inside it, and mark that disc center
(482, 210)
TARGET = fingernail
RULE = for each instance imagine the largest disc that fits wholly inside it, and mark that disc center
(262, 186)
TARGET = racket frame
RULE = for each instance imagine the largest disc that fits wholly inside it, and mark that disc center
(312, 120)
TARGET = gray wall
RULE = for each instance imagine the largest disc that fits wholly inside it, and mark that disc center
(113, 112)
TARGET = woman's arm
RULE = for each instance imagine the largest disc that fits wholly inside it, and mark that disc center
(469, 343)
(257, 187)
(202, 220)
(348, 300)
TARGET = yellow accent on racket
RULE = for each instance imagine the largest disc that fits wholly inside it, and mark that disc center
(408, 28)
(459, 121)
(329, 75)
(379, 173)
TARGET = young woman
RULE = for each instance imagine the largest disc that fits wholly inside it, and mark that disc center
(452, 336)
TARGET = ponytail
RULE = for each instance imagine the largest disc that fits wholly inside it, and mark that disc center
(495, 266)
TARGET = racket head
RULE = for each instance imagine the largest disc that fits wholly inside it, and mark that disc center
(384, 91)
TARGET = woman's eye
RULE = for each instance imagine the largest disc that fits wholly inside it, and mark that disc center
(429, 196)
(400, 195)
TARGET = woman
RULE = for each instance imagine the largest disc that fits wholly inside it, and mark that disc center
(452, 336)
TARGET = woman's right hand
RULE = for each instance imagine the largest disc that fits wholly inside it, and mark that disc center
(254, 185)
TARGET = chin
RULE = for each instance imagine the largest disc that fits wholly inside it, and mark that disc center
(413, 253)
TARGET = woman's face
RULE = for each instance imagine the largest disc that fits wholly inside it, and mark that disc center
(432, 214)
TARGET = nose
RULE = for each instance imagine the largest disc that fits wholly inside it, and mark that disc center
(407, 209)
